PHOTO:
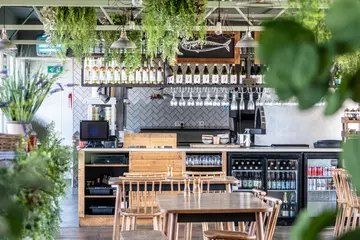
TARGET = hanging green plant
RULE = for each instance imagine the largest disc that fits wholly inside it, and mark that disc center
(311, 14)
(166, 22)
(72, 27)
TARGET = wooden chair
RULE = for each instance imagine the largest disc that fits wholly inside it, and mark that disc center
(270, 224)
(146, 174)
(341, 201)
(141, 201)
(142, 235)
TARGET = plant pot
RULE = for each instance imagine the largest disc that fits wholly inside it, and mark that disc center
(14, 127)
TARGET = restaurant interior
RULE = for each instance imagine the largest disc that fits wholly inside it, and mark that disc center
(179, 119)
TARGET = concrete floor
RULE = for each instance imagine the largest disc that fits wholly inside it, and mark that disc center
(70, 229)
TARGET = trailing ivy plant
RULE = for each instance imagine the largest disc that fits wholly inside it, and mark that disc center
(312, 14)
(72, 27)
(285, 42)
(166, 22)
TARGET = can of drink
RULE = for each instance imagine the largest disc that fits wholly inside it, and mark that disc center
(313, 171)
(325, 172)
(318, 184)
(319, 171)
(309, 171)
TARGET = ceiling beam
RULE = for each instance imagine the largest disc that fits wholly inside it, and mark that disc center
(210, 12)
(28, 42)
(243, 15)
(280, 13)
(107, 16)
(118, 27)
(37, 12)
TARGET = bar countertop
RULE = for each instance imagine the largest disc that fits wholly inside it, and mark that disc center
(210, 150)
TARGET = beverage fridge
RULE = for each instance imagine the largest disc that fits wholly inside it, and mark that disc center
(279, 174)
(319, 189)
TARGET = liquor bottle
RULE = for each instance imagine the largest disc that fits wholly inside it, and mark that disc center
(205, 77)
(110, 73)
(245, 180)
(138, 76)
(271, 165)
(87, 70)
(233, 75)
(292, 210)
(102, 70)
(273, 181)
(171, 79)
(293, 165)
(258, 75)
(269, 181)
(259, 181)
(239, 166)
(145, 73)
(251, 180)
(152, 74)
(288, 181)
(252, 72)
(95, 71)
(281, 165)
(283, 183)
(293, 181)
(240, 180)
(179, 75)
(188, 75)
(215, 76)
(124, 77)
(242, 72)
(224, 75)
(197, 75)
(117, 72)
(285, 206)
(278, 163)
(159, 73)
(288, 164)
(278, 181)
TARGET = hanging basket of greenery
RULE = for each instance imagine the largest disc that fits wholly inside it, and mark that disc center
(166, 22)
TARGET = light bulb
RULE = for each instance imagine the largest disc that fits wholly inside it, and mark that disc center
(218, 29)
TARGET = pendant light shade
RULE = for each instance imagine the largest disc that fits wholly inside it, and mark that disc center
(4, 39)
(247, 41)
(11, 46)
(123, 42)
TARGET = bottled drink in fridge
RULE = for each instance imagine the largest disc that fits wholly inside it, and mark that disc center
(269, 181)
(288, 181)
(292, 210)
(179, 75)
(293, 181)
(240, 181)
(215, 76)
(283, 183)
(273, 182)
(188, 75)
(245, 180)
(233, 75)
(224, 75)
(285, 206)
(278, 181)
(242, 72)
(205, 78)
(252, 71)
(197, 75)
(251, 180)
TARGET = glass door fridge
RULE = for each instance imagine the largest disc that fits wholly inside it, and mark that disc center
(249, 169)
(283, 181)
(319, 186)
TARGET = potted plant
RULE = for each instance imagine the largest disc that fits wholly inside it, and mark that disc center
(20, 98)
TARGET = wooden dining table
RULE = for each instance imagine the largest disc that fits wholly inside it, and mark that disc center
(216, 183)
(207, 207)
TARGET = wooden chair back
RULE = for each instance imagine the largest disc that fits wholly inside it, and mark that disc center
(203, 174)
(340, 193)
(183, 184)
(146, 174)
(271, 217)
(347, 188)
(141, 193)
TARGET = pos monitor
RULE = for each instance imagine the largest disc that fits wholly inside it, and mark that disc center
(94, 132)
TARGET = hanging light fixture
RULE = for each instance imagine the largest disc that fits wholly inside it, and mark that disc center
(123, 41)
(131, 21)
(5, 43)
(247, 41)
(218, 28)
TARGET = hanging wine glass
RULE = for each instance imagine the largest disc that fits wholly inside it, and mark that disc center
(191, 101)
(208, 101)
(225, 100)
(233, 105)
(242, 102)
(182, 101)
(258, 101)
(199, 101)
(173, 101)
(216, 101)
(251, 104)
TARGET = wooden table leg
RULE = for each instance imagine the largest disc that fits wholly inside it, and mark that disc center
(259, 226)
(173, 226)
(166, 224)
(116, 227)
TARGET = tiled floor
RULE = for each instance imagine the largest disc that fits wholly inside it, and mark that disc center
(70, 229)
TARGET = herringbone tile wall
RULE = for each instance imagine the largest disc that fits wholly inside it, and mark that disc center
(143, 111)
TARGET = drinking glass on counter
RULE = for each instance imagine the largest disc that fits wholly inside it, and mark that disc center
(203, 160)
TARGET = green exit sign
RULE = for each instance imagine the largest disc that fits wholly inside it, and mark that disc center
(55, 69)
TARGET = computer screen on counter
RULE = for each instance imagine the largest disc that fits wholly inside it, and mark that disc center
(94, 130)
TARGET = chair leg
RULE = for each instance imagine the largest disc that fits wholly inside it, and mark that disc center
(355, 217)
(337, 222)
(348, 221)
(205, 227)
(123, 223)
(133, 223)
(188, 231)
(155, 224)
(219, 226)
(127, 224)
(342, 220)
(160, 223)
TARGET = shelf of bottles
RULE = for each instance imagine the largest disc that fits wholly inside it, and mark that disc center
(321, 192)
(203, 161)
(96, 71)
(282, 183)
(249, 174)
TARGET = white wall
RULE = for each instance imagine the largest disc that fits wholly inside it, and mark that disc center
(289, 125)
(56, 106)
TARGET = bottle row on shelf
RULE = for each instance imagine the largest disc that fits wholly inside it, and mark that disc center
(281, 181)
(317, 171)
(318, 196)
(321, 184)
(247, 165)
(248, 180)
(288, 208)
(282, 164)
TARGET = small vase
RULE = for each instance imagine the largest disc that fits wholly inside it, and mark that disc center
(20, 128)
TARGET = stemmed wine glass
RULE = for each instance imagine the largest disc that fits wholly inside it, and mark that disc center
(233, 105)
(182, 101)
(251, 104)
(191, 101)
(216, 101)
(173, 101)
(225, 100)
(242, 102)
(199, 101)
(259, 101)
(208, 101)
